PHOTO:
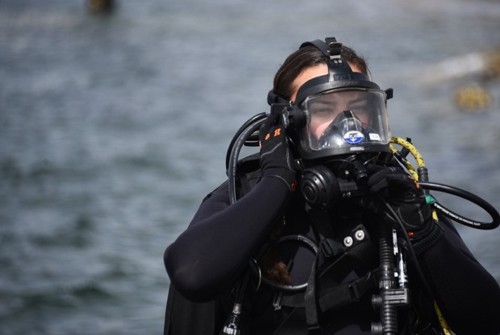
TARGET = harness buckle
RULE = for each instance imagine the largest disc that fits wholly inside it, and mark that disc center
(331, 248)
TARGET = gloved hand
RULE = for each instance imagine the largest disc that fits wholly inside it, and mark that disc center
(407, 199)
(275, 156)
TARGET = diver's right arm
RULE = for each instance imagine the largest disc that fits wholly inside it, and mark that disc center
(210, 255)
(213, 252)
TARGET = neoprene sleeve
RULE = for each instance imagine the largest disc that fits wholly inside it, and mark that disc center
(221, 239)
(467, 294)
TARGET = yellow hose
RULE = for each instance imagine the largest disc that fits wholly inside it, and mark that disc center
(444, 325)
(415, 153)
(421, 164)
(413, 150)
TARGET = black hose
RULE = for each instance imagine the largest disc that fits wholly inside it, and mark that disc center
(468, 196)
(232, 325)
(235, 149)
(253, 119)
(287, 287)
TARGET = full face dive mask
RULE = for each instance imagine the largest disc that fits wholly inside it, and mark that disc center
(338, 117)
(340, 113)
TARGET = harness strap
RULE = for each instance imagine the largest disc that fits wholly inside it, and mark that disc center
(334, 297)
(345, 294)
(293, 300)
(310, 303)
(333, 263)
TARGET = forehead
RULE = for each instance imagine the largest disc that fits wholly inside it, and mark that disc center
(306, 75)
(313, 72)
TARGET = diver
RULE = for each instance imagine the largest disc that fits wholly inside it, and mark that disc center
(324, 231)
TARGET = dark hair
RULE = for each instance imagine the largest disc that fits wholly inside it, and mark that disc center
(306, 57)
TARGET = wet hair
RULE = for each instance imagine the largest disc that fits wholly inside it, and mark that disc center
(306, 57)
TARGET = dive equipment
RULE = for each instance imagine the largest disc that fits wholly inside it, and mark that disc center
(340, 74)
(322, 98)
(422, 176)
(392, 294)
(320, 183)
(332, 167)
(310, 245)
(343, 121)
(346, 189)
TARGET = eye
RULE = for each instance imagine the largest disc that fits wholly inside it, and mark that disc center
(323, 107)
(323, 111)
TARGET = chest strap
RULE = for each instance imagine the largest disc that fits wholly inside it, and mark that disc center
(319, 300)
(332, 283)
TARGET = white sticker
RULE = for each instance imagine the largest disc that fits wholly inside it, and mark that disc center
(354, 137)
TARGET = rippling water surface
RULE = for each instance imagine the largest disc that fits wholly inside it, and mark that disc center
(113, 128)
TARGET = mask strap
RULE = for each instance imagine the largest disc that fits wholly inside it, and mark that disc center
(273, 98)
(332, 50)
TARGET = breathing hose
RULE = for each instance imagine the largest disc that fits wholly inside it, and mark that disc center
(468, 196)
(233, 153)
(258, 118)
(421, 175)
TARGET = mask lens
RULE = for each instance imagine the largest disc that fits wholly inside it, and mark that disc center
(324, 108)
(344, 118)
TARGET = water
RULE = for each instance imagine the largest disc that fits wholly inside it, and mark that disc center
(112, 129)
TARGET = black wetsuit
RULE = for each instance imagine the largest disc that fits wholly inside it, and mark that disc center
(212, 254)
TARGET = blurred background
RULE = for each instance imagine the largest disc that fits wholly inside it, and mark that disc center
(114, 124)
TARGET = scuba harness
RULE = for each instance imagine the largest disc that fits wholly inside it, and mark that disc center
(339, 177)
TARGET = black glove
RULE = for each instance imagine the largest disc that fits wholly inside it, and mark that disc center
(275, 156)
(407, 200)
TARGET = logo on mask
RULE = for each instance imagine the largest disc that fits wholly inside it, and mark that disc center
(354, 137)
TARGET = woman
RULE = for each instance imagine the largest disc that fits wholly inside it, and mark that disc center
(214, 292)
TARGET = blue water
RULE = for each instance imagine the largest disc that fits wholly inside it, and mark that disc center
(113, 128)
